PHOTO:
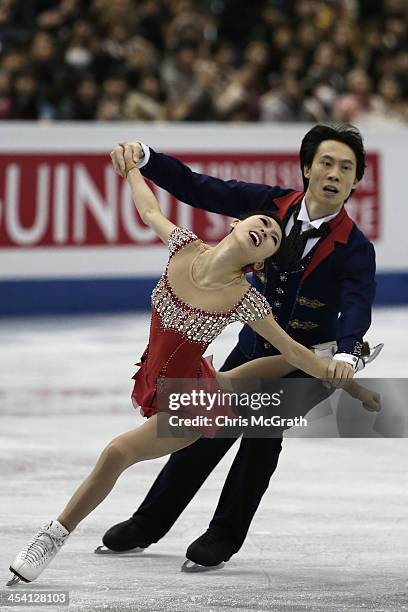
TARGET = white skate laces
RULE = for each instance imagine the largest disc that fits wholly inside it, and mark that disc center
(39, 552)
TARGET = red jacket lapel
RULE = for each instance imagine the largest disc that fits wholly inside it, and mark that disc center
(341, 227)
(287, 201)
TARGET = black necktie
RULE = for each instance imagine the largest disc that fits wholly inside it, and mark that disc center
(294, 244)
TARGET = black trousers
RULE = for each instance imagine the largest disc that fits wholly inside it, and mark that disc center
(187, 469)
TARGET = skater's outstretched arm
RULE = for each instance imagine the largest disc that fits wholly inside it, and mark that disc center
(301, 358)
(277, 366)
(145, 201)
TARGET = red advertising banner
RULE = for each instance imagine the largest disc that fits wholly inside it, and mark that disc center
(68, 200)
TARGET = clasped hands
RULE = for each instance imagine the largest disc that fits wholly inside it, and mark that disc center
(125, 157)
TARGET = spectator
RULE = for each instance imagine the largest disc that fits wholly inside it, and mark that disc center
(358, 102)
(146, 103)
(25, 95)
(191, 60)
(326, 67)
(43, 60)
(178, 75)
(6, 105)
(82, 105)
(390, 105)
(15, 60)
(284, 102)
(111, 56)
(141, 57)
(307, 40)
(108, 110)
(111, 13)
(152, 15)
(318, 106)
(10, 34)
(282, 44)
(82, 46)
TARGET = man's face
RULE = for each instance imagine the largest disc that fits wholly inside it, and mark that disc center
(332, 175)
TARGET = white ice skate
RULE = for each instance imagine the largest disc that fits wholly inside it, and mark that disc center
(39, 552)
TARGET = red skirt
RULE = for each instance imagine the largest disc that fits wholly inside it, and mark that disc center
(144, 397)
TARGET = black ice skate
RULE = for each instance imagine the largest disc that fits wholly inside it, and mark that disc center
(131, 536)
(208, 552)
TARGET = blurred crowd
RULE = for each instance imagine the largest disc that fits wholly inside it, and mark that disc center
(204, 60)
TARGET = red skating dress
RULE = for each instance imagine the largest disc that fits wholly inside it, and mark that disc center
(180, 333)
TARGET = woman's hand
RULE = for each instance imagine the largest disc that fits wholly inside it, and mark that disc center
(125, 157)
(338, 372)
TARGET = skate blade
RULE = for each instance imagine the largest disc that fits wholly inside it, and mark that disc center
(375, 351)
(16, 578)
(103, 550)
(189, 567)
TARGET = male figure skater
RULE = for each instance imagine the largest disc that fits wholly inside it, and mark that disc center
(321, 287)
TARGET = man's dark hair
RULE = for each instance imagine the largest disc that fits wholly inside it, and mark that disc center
(342, 132)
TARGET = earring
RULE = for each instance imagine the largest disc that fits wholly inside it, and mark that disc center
(261, 276)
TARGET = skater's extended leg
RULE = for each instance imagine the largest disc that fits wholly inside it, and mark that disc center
(123, 451)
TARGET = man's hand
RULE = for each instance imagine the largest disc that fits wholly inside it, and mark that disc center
(338, 372)
(118, 159)
(371, 400)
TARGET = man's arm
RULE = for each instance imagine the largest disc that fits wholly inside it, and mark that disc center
(357, 296)
(230, 198)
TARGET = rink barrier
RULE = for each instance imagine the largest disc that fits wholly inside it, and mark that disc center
(70, 239)
(86, 295)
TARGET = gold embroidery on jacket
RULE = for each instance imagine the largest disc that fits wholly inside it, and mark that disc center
(306, 325)
(358, 347)
(303, 301)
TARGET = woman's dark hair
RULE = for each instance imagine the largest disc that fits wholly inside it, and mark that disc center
(342, 132)
(265, 213)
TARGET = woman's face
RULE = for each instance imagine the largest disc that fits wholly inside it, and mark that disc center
(258, 236)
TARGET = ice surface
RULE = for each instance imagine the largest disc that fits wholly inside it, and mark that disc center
(331, 532)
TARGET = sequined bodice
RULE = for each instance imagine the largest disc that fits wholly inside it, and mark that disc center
(179, 332)
(196, 324)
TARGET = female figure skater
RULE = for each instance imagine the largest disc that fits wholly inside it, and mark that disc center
(201, 291)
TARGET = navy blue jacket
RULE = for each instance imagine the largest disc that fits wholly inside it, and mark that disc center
(329, 296)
